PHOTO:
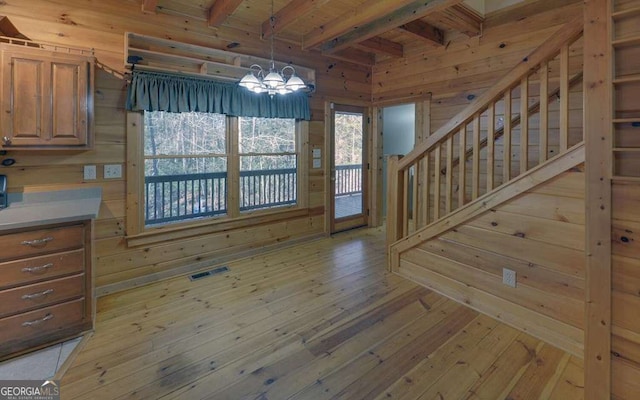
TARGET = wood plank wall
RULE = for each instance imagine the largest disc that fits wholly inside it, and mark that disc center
(540, 235)
(468, 66)
(101, 25)
(625, 264)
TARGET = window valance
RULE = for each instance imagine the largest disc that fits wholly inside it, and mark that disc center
(154, 91)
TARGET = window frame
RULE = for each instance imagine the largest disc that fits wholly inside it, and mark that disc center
(137, 233)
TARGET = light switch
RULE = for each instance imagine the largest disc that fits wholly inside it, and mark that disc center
(317, 163)
(317, 153)
(89, 172)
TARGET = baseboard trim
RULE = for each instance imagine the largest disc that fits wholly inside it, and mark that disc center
(194, 267)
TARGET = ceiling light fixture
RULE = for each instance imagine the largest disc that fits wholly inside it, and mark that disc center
(274, 82)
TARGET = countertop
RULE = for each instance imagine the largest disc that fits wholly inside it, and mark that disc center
(52, 207)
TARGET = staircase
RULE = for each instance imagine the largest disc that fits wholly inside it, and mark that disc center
(501, 185)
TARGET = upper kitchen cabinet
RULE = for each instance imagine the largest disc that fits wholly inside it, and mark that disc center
(47, 98)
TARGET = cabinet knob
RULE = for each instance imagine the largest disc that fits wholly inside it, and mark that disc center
(6, 141)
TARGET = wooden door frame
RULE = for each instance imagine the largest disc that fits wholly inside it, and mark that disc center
(329, 157)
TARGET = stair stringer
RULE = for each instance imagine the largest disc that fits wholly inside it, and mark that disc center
(550, 318)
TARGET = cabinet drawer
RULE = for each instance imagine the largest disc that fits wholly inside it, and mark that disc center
(25, 244)
(43, 322)
(25, 298)
(14, 273)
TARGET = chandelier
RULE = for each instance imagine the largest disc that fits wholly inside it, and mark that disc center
(274, 82)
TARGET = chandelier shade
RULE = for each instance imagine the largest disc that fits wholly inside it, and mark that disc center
(274, 82)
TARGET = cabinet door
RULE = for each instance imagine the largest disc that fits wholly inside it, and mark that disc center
(25, 100)
(46, 99)
(69, 125)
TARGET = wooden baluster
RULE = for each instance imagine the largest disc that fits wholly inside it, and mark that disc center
(425, 189)
(564, 98)
(475, 177)
(436, 183)
(524, 125)
(405, 203)
(506, 165)
(449, 180)
(462, 166)
(544, 112)
(491, 145)
(414, 196)
(394, 200)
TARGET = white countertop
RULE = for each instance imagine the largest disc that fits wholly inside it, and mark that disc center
(41, 208)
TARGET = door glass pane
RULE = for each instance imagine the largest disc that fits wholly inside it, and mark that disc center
(348, 164)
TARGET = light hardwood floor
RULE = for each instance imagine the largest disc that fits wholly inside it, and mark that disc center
(320, 320)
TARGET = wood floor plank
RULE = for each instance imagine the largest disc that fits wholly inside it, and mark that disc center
(471, 366)
(318, 320)
(352, 377)
(221, 339)
(571, 383)
(506, 371)
(418, 379)
(542, 375)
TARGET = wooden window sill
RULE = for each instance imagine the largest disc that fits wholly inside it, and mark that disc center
(209, 226)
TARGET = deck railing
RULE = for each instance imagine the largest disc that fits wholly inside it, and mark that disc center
(267, 188)
(348, 179)
(179, 197)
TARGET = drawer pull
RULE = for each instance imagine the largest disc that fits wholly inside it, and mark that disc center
(37, 269)
(37, 295)
(37, 322)
(37, 242)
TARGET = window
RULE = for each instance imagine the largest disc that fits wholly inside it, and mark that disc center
(185, 166)
(199, 165)
(268, 173)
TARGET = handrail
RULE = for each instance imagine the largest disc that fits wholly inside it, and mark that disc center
(436, 169)
(569, 32)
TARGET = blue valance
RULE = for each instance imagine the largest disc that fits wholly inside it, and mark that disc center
(153, 91)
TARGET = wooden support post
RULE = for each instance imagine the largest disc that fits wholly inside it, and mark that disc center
(598, 110)
(564, 98)
(436, 189)
(475, 175)
(491, 145)
(544, 112)
(422, 120)
(524, 125)
(506, 164)
(462, 163)
(449, 180)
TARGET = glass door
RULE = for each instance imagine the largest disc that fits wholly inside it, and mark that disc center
(348, 168)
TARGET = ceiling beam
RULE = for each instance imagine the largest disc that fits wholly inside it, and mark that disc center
(220, 11)
(149, 6)
(382, 45)
(288, 14)
(462, 19)
(355, 56)
(369, 11)
(401, 16)
(424, 31)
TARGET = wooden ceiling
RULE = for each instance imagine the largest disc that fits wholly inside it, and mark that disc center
(361, 31)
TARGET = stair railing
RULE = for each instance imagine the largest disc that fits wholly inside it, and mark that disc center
(445, 172)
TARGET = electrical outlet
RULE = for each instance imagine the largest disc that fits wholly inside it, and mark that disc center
(89, 172)
(509, 277)
(112, 171)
